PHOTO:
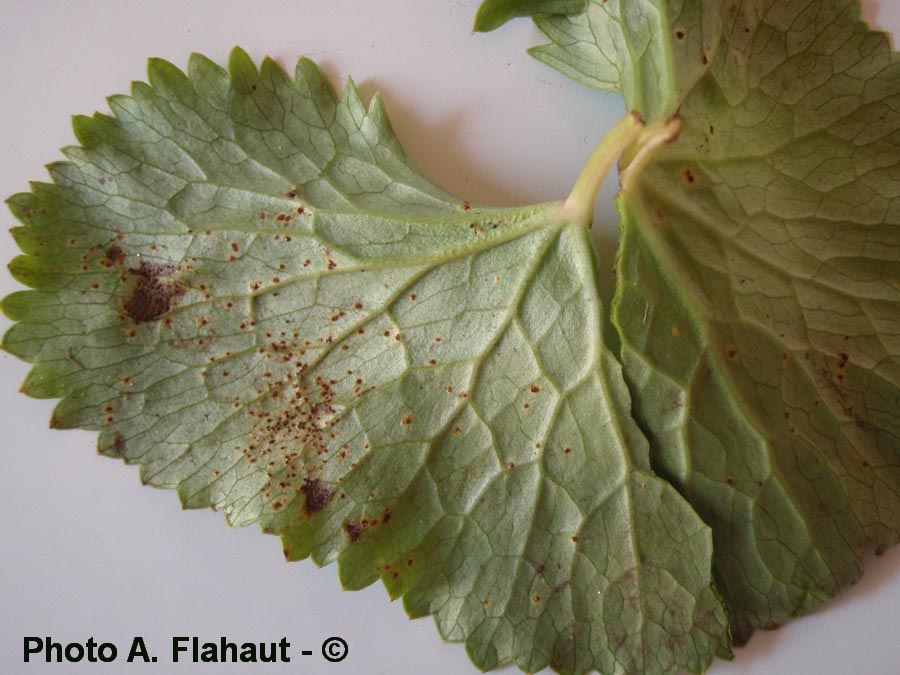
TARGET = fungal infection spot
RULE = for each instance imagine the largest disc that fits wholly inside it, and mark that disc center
(154, 292)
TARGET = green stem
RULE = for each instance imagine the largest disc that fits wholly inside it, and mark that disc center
(636, 158)
(580, 202)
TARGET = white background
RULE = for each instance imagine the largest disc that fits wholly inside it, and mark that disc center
(86, 551)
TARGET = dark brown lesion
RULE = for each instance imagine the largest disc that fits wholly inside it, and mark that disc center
(115, 256)
(318, 494)
(354, 531)
(153, 293)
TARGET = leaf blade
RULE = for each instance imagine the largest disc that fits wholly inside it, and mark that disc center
(288, 328)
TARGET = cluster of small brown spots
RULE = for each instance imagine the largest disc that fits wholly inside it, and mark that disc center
(413, 296)
(331, 264)
(407, 419)
(465, 206)
(318, 494)
(340, 315)
(114, 256)
(153, 294)
(526, 405)
(841, 368)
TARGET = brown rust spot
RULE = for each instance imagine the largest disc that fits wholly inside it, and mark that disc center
(154, 293)
(114, 256)
(117, 449)
(318, 494)
(353, 530)
(659, 215)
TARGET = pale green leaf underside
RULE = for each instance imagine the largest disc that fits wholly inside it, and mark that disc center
(759, 304)
(245, 287)
(759, 278)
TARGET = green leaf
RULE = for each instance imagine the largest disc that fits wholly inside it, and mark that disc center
(494, 13)
(240, 281)
(759, 294)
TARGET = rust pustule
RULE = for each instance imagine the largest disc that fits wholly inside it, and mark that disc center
(353, 530)
(154, 293)
(318, 494)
